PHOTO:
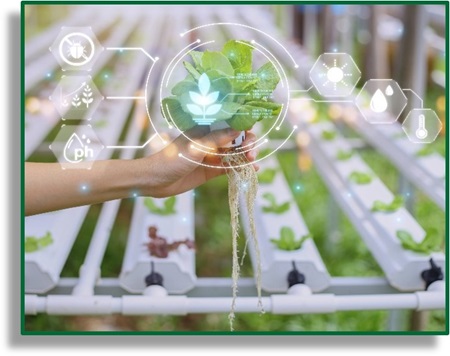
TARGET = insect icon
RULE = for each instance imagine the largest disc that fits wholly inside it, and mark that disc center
(76, 49)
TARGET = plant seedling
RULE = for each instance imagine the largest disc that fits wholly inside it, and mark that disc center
(223, 86)
(273, 207)
(391, 207)
(360, 177)
(328, 135)
(430, 243)
(344, 155)
(287, 240)
(159, 247)
(33, 244)
(267, 176)
(168, 207)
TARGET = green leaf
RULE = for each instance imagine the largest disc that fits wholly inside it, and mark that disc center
(167, 209)
(393, 206)
(273, 207)
(344, 155)
(185, 86)
(220, 82)
(31, 244)
(287, 240)
(196, 58)
(217, 61)
(192, 71)
(360, 177)
(151, 206)
(268, 77)
(243, 119)
(267, 176)
(239, 55)
(430, 243)
(46, 240)
(169, 205)
(172, 111)
(328, 135)
(227, 111)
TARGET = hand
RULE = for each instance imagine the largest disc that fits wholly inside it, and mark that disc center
(169, 174)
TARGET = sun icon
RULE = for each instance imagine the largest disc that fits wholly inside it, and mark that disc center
(336, 75)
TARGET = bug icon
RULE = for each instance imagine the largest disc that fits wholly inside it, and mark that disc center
(76, 49)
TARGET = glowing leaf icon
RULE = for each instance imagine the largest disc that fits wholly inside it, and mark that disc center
(213, 109)
(211, 98)
(204, 102)
(196, 97)
(204, 84)
(195, 109)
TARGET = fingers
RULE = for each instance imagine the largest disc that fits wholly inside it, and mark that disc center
(219, 138)
(249, 143)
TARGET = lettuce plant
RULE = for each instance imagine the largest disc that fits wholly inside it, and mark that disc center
(221, 86)
(430, 243)
(287, 240)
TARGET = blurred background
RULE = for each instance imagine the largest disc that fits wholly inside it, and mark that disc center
(402, 42)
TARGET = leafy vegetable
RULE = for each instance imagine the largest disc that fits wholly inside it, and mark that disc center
(168, 207)
(267, 176)
(33, 244)
(360, 177)
(344, 155)
(273, 207)
(287, 240)
(396, 204)
(328, 135)
(221, 86)
(430, 243)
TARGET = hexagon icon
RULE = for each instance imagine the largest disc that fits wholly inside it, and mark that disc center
(76, 48)
(335, 74)
(76, 97)
(381, 101)
(76, 146)
(422, 126)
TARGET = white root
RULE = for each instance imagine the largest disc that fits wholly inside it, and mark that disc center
(242, 179)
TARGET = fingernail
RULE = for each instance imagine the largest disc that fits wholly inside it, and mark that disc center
(252, 154)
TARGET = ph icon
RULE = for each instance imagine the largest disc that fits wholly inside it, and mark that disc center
(76, 146)
(76, 149)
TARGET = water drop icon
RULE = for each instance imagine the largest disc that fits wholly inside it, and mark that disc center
(378, 103)
(389, 91)
(72, 149)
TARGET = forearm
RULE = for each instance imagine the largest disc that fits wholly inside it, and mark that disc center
(48, 187)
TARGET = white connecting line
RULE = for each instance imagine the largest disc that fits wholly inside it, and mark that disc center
(142, 146)
(132, 49)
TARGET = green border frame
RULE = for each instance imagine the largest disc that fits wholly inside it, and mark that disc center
(230, 2)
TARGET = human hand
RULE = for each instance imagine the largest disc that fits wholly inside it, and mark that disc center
(169, 174)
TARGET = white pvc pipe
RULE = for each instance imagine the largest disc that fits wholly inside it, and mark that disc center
(276, 304)
(90, 270)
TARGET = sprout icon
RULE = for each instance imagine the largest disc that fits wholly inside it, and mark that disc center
(204, 106)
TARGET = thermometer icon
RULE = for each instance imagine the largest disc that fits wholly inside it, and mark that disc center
(421, 132)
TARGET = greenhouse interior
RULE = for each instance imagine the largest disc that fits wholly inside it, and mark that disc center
(326, 214)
